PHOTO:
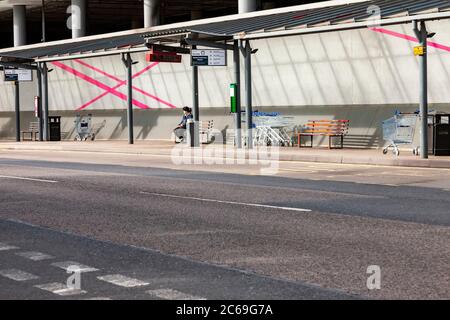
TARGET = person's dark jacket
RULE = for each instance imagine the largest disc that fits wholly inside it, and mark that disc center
(184, 121)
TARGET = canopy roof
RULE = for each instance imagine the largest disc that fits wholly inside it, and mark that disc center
(319, 17)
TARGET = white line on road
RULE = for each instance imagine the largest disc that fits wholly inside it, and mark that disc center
(17, 275)
(169, 294)
(28, 179)
(60, 289)
(34, 256)
(74, 265)
(227, 202)
(123, 281)
(6, 247)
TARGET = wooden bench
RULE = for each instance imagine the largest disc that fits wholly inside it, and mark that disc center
(328, 128)
(33, 131)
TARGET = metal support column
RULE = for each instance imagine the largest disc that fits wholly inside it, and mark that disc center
(195, 106)
(17, 104)
(44, 73)
(237, 80)
(248, 93)
(128, 62)
(422, 36)
(39, 94)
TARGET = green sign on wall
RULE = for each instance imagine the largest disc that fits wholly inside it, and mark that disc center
(233, 97)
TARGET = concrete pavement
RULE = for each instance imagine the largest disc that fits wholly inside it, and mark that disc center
(164, 147)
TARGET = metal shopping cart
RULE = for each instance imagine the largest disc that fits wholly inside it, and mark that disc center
(273, 129)
(85, 129)
(399, 130)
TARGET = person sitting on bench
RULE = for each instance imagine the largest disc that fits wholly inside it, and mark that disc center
(182, 126)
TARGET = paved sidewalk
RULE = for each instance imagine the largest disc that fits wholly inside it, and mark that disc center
(165, 148)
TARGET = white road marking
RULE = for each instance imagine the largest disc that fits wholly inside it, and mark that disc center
(6, 247)
(60, 289)
(123, 281)
(99, 299)
(81, 267)
(17, 275)
(227, 202)
(169, 294)
(28, 179)
(35, 256)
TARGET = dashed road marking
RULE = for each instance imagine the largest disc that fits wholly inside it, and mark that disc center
(60, 289)
(35, 256)
(169, 294)
(67, 264)
(28, 179)
(227, 202)
(18, 275)
(123, 281)
(6, 247)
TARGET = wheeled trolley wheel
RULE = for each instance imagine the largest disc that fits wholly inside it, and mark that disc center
(385, 151)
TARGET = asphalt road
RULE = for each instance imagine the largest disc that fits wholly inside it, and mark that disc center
(304, 238)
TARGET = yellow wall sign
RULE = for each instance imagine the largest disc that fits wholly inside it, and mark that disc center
(419, 51)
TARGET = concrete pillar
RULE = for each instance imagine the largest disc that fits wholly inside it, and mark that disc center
(151, 13)
(20, 25)
(78, 18)
(247, 6)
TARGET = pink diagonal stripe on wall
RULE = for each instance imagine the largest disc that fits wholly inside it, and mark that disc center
(98, 84)
(409, 38)
(121, 83)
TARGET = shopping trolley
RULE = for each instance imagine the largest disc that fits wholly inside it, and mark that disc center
(272, 129)
(399, 130)
(85, 129)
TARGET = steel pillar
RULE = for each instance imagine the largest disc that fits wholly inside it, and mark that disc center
(128, 62)
(422, 36)
(39, 94)
(248, 93)
(17, 109)
(237, 80)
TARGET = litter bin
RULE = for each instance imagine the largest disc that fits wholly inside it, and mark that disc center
(54, 127)
(442, 135)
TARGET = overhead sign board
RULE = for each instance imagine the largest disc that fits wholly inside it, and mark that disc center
(17, 74)
(170, 57)
(210, 57)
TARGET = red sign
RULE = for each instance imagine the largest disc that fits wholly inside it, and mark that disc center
(156, 56)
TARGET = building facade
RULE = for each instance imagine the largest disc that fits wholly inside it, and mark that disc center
(362, 75)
